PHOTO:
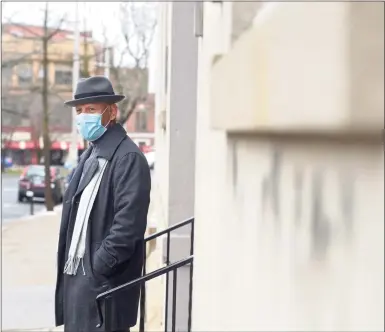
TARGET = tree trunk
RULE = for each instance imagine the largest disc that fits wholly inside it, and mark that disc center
(49, 203)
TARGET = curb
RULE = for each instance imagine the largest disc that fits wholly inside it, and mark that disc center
(57, 209)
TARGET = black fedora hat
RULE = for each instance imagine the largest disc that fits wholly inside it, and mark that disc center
(96, 89)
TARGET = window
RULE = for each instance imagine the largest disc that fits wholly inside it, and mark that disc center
(6, 76)
(63, 77)
(24, 75)
(35, 170)
(40, 75)
(17, 33)
(141, 120)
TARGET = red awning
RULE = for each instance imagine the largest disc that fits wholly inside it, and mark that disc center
(23, 145)
(61, 145)
(30, 145)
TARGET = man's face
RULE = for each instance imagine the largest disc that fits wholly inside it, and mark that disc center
(108, 112)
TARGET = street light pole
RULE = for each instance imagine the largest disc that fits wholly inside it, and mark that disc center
(107, 61)
(73, 152)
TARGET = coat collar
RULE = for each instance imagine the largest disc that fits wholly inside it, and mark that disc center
(88, 175)
(106, 145)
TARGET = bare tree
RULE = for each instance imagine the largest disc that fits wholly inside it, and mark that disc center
(85, 70)
(45, 39)
(48, 34)
(138, 22)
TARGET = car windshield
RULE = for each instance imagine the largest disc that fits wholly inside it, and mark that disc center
(35, 170)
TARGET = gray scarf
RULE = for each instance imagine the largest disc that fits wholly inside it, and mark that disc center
(78, 241)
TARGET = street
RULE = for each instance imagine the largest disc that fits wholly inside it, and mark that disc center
(10, 207)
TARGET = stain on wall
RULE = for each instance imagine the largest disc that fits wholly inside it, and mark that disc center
(347, 195)
(271, 186)
(327, 217)
(320, 228)
(298, 199)
(234, 168)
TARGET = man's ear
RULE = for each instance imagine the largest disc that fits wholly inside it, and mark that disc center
(114, 112)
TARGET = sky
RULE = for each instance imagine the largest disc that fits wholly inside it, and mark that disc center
(99, 16)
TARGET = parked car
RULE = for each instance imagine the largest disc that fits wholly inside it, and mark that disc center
(32, 179)
(150, 156)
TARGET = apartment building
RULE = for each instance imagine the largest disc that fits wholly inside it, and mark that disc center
(269, 130)
(22, 75)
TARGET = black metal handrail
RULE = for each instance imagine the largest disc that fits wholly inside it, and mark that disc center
(106, 296)
(170, 229)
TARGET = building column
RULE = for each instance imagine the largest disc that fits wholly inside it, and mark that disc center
(175, 138)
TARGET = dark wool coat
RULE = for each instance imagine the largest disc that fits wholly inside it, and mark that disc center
(115, 236)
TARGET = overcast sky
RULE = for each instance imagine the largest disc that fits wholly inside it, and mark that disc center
(97, 14)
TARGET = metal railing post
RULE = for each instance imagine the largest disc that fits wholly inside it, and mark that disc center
(190, 291)
(167, 283)
(174, 287)
(143, 295)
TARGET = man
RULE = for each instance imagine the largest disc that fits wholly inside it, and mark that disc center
(101, 241)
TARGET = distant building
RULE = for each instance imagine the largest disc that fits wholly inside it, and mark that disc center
(22, 75)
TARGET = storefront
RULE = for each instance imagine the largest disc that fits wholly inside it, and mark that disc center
(28, 152)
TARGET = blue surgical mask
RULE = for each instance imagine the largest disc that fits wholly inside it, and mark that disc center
(90, 125)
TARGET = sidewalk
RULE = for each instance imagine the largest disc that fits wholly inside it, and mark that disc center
(29, 271)
(29, 274)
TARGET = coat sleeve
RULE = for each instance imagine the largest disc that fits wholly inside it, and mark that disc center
(132, 185)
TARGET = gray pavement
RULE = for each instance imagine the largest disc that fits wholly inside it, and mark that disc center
(28, 307)
(11, 209)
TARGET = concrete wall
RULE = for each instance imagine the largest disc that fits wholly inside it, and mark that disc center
(271, 65)
(176, 112)
(290, 225)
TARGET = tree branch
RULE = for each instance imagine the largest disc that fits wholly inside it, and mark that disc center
(13, 112)
(58, 29)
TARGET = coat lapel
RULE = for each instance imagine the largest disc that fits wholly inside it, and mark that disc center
(87, 177)
(74, 182)
(70, 193)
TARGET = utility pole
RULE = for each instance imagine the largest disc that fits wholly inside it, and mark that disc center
(73, 152)
(85, 71)
(49, 203)
(107, 61)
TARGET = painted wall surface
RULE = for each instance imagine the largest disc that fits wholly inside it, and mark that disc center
(289, 231)
(298, 240)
